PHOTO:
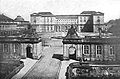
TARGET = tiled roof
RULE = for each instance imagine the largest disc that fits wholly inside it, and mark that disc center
(45, 13)
(91, 12)
(66, 17)
(5, 18)
(41, 13)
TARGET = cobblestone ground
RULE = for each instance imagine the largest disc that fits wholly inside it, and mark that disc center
(47, 67)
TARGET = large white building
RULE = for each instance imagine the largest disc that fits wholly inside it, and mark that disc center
(87, 21)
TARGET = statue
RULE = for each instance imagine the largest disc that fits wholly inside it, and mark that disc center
(72, 32)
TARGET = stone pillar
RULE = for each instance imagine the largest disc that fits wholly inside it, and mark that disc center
(93, 52)
(23, 53)
(79, 52)
(65, 52)
(11, 48)
(105, 52)
(35, 56)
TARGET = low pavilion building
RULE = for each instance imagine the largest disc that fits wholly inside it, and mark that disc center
(90, 48)
(14, 47)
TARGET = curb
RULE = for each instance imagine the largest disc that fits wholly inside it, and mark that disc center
(33, 66)
(59, 70)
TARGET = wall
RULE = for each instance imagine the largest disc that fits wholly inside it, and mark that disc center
(10, 52)
(105, 55)
(36, 50)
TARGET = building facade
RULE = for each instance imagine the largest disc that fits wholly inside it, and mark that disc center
(21, 23)
(7, 23)
(87, 21)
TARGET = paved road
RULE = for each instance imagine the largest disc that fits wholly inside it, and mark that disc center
(48, 67)
(28, 63)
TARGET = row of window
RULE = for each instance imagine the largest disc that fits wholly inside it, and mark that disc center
(99, 49)
(8, 33)
(6, 47)
(49, 28)
(57, 28)
(47, 19)
(3, 27)
(83, 19)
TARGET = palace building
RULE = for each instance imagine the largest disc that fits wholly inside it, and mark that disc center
(7, 23)
(87, 21)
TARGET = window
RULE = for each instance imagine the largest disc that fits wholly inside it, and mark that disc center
(6, 47)
(80, 19)
(34, 20)
(47, 19)
(59, 28)
(47, 28)
(51, 28)
(1, 48)
(51, 19)
(99, 49)
(98, 20)
(98, 17)
(84, 19)
(111, 50)
(86, 49)
(16, 48)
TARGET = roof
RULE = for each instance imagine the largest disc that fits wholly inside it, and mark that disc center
(92, 12)
(45, 13)
(30, 33)
(94, 40)
(19, 18)
(5, 18)
(66, 17)
(41, 14)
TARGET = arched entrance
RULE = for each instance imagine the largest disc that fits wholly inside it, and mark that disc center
(28, 51)
(72, 52)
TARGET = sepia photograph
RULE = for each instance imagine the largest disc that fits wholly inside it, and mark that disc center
(59, 39)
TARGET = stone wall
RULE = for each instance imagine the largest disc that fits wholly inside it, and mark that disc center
(105, 52)
(10, 52)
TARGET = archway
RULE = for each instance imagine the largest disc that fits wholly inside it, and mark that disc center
(72, 52)
(28, 51)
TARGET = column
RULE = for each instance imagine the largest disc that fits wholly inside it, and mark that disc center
(105, 52)
(34, 51)
(65, 52)
(93, 52)
(79, 52)
(90, 53)
(23, 54)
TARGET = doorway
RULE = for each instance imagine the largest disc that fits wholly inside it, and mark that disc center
(28, 51)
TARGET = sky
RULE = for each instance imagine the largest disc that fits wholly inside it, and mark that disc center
(13, 8)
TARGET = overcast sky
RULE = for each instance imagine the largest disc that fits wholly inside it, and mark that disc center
(12, 8)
